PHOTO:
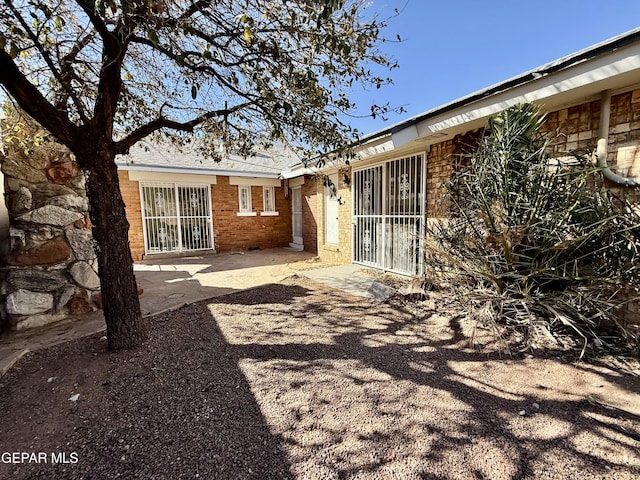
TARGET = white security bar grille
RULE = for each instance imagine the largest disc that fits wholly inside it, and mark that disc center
(176, 218)
(389, 206)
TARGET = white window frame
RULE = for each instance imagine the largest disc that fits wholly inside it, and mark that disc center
(247, 211)
(269, 192)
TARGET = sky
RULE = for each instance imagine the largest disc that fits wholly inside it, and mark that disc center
(452, 48)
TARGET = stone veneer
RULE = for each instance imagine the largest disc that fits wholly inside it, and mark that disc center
(51, 269)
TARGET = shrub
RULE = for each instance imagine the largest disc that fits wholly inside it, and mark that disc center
(534, 240)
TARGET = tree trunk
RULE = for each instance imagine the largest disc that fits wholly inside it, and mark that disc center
(120, 301)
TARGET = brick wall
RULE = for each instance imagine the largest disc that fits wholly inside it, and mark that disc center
(440, 160)
(309, 214)
(574, 128)
(131, 194)
(233, 233)
(577, 129)
(340, 253)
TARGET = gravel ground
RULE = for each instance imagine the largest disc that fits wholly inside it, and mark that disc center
(295, 380)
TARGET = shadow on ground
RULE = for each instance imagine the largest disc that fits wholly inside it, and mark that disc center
(301, 381)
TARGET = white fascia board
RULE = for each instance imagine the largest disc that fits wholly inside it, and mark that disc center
(255, 181)
(375, 148)
(579, 82)
(405, 135)
(589, 77)
(330, 166)
(197, 172)
(297, 172)
(154, 176)
(296, 182)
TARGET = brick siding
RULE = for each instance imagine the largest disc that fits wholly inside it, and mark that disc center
(231, 232)
(574, 128)
(234, 234)
(131, 194)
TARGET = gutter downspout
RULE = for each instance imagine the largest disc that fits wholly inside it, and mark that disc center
(603, 140)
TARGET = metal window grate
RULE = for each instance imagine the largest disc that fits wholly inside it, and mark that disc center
(244, 198)
(388, 215)
(176, 217)
(268, 196)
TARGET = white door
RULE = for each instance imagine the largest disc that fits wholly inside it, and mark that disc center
(296, 220)
(331, 212)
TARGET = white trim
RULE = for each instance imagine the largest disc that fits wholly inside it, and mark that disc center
(326, 197)
(296, 171)
(296, 182)
(196, 171)
(249, 207)
(617, 70)
(269, 214)
(412, 153)
(272, 193)
(255, 181)
(179, 217)
(246, 214)
(149, 176)
(297, 240)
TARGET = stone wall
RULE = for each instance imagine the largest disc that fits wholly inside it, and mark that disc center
(51, 270)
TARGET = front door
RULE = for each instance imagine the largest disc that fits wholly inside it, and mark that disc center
(296, 219)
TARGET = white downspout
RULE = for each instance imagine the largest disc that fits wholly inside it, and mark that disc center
(603, 140)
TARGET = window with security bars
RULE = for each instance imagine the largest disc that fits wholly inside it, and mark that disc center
(244, 199)
(176, 217)
(269, 202)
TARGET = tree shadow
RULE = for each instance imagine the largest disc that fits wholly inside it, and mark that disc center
(415, 401)
(301, 381)
(178, 408)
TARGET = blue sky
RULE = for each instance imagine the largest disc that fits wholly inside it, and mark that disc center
(452, 48)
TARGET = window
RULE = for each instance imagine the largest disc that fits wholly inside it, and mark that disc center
(176, 218)
(244, 201)
(268, 201)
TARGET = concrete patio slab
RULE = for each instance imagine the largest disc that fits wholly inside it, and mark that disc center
(168, 283)
(171, 283)
(350, 279)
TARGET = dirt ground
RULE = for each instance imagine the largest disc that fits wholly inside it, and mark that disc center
(296, 380)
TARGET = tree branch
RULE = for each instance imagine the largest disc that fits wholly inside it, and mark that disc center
(123, 146)
(96, 21)
(45, 56)
(34, 104)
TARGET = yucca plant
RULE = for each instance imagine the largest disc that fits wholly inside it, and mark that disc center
(534, 240)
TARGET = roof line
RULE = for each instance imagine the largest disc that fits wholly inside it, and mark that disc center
(627, 38)
(199, 171)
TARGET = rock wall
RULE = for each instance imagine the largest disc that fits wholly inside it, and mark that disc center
(51, 270)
